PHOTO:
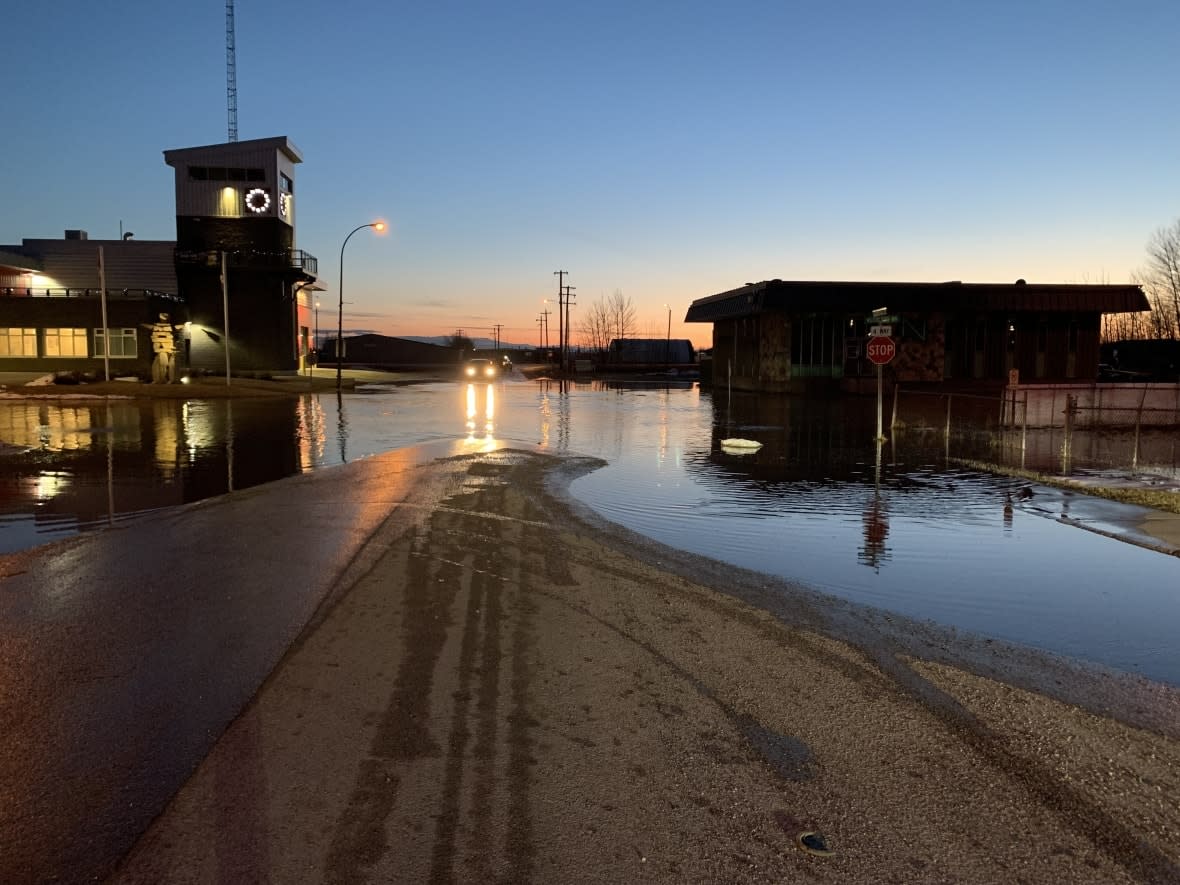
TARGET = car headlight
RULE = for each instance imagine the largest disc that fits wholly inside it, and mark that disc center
(491, 371)
(470, 371)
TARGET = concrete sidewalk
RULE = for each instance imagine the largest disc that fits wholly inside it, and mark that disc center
(496, 690)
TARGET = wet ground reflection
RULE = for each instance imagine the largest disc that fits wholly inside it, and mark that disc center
(893, 527)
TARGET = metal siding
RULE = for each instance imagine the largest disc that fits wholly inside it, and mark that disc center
(129, 264)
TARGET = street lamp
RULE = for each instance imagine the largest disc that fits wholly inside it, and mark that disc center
(668, 338)
(316, 335)
(378, 226)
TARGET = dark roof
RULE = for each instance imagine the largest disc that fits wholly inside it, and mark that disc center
(850, 297)
(232, 149)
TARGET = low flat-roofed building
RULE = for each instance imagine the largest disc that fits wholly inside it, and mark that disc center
(780, 335)
(51, 306)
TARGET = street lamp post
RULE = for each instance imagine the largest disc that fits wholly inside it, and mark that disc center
(377, 226)
(668, 338)
(316, 335)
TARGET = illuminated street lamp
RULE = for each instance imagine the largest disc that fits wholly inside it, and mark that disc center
(378, 226)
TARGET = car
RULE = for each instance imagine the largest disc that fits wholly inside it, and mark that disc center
(479, 370)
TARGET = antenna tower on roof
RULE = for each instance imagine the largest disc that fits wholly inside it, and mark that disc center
(231, 76)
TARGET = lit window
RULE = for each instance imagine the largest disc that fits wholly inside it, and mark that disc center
(65, 342)
(123, 343)
(18, 342)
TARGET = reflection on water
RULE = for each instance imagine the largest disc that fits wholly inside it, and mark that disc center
(820, 502)
(481, 417)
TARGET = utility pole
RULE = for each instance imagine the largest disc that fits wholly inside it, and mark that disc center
(545, 323)
(498, 327)
(568, 298)
(560, 274)
(540, 333)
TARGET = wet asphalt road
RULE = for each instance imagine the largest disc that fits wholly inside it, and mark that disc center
(124, 654)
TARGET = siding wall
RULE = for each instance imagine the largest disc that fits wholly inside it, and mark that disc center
(73, 264)
(203, 199)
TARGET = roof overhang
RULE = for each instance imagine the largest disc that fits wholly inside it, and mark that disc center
(20, 263)
(782, 296)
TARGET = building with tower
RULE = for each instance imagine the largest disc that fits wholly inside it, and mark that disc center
(233, 284)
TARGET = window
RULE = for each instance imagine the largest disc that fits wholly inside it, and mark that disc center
(123, 343)
(18, 342)
(65, 342)
(285, 184)
(221, 173)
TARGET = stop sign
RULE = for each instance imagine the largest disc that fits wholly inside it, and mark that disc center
(881, 350)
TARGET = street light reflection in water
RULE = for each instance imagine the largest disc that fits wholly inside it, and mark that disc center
(901, 530)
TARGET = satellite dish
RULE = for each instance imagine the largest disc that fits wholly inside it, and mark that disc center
(128, 235)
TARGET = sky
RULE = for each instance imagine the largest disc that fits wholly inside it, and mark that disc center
(667, 151)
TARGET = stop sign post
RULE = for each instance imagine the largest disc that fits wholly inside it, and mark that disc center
(880, 350)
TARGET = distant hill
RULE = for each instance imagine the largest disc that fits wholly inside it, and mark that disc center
(480, 343)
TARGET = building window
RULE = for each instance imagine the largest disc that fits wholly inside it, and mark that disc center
(18, 342)
(221, 173)
(285, 184)
(65, 342)
(123, 343)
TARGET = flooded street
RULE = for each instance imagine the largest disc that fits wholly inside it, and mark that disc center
(900, 529)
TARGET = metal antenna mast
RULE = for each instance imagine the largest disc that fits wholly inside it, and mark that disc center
(231, 76)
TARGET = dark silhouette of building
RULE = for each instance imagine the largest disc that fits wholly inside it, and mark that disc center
(791, 336)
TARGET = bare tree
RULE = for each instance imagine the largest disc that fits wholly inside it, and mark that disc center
(622, 314)
(596, 327)
(1161, 280)
(460, 342)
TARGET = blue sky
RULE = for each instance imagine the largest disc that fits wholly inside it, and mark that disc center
(665, 150)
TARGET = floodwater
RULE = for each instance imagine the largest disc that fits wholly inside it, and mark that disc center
(899, 528)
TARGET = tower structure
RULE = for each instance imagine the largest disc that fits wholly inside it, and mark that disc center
(231, 72)
(235, 204)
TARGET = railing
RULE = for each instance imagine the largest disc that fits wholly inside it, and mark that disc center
(1074, 435)
(252, 258)
(95, 292)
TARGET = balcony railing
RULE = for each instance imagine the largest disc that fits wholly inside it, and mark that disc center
(252, 258)
(95, 292)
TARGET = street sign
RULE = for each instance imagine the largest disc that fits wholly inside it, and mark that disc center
(880, 331)
(881, 350)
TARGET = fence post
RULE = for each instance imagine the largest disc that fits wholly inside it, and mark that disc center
(893, 420)
(1071, 405)
(1138, 423)
(1023, 430)
(946, 436)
